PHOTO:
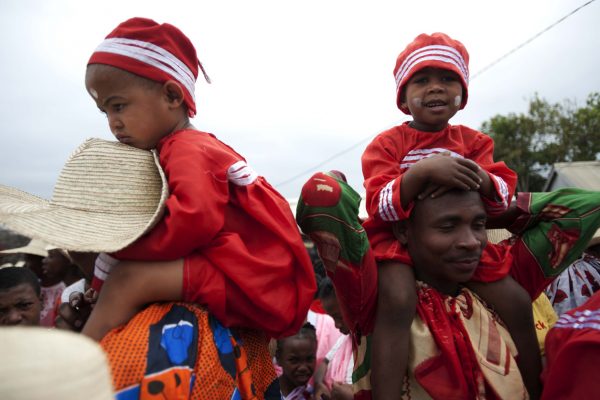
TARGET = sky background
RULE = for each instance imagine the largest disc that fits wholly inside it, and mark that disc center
(294, 83)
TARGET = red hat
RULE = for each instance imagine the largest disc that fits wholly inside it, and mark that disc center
(437, 50)
(159, 52)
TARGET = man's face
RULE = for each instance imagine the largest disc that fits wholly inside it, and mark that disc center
(20, 305)
(332, 308)
(445, 237)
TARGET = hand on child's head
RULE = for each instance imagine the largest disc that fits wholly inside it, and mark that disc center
(454, 172)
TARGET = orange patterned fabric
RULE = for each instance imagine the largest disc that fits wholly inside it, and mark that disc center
(127, 350)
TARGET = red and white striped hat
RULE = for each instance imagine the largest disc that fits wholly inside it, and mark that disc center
(437, 50)
(159, 52)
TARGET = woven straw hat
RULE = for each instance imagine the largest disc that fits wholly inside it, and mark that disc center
(107, 195)
(595, 239)
(497, 235)
(40, 363)
(35, 247)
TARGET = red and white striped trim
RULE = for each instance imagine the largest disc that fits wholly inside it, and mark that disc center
(445, 54)
(503, 188)
(153, 55)
(416, 155)
(103, 265)
(387, 212)
(580, 320)
(241, 174)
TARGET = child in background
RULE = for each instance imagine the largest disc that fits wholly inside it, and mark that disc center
(427, 157)
(20, 297)
(333, 378)
(227, 239)
(297, 357)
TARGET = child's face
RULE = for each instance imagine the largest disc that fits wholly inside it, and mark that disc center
(137, 111)
(332, 308)
(433, 96)
(298, 360)
(445, 237)
(19, 305)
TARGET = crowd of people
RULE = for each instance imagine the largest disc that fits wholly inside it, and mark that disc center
(168, 252)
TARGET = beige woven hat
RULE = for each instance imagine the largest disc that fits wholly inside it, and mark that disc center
(108, 194)
(497, 235)
(39, 363)
(35, 247)
(595, 239)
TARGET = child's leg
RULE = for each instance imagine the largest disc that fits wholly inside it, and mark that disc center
(513, 305)
(396, 307)
(128, 288)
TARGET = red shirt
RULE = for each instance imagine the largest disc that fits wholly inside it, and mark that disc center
(388, 157)
(572, 354)
(244, 257)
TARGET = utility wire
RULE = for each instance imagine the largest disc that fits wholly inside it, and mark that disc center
(529, 40)
(481, 71)
(333, 157)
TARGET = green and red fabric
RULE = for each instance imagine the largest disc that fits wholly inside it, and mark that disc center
(552, 231)
(327, 203)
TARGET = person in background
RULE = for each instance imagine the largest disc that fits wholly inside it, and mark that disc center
(54, 270)
(544, 318)
(296, 355)
(575, 285)
(50, 271)
(20, 302)
(572, 354)
(333, 378)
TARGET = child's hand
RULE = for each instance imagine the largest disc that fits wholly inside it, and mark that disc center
(73, 315)
(341, 391)
(446, 171)
(321, 392)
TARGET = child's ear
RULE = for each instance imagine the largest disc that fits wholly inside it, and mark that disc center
(399, 229)
(173, 92)
(403, 99)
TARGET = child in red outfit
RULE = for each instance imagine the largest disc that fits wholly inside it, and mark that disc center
(427, 157)
(227, 239)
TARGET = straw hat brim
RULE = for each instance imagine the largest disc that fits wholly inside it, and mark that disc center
(98, 204)
(595, 239)
(497, 235)
(40, 363)
(34, 247)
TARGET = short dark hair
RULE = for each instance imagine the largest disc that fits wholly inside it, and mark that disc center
(306, 331)
(15, 276)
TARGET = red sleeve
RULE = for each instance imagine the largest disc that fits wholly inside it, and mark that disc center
(572, 353)
(383, 177)
(503, 178)
(194, 211)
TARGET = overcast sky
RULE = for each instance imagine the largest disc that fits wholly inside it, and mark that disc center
(294, 83)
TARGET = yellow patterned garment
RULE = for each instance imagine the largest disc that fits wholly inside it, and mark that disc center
(544, 318)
